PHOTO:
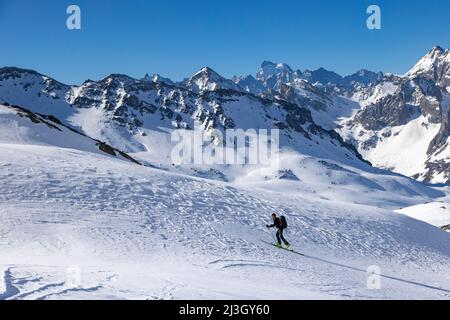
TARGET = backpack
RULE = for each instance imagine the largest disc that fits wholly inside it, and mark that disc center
(283, 222)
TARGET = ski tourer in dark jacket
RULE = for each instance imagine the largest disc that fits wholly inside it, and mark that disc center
(280, 224)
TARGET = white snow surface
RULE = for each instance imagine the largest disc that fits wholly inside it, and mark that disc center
(403, 150)
(435, 213)
(78, 224)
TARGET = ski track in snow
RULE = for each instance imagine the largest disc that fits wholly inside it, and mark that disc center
(156, 235)
(11, 286)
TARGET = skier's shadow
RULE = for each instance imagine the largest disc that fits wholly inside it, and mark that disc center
(365, 271)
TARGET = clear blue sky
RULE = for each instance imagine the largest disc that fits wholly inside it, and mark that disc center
(177, 37)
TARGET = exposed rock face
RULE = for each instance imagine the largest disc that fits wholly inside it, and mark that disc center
(323, 77)
(388, 112)
(441, 139)
(363, 78)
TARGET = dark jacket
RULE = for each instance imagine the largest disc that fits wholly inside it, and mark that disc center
(276, 224)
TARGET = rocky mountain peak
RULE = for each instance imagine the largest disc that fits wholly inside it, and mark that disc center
(322, 76)
(209, 80)
(156, 78)
(250, 84)
(270, 69)
(435, 65)
(363, 77)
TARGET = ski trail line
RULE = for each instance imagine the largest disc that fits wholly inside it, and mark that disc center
(365, 271)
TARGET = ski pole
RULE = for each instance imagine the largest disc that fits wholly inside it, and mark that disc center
(271, 234)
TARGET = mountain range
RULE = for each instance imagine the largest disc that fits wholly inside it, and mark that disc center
(393, 122)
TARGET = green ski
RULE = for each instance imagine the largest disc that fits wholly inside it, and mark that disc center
(286, 249)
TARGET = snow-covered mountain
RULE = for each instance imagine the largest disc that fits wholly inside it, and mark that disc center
(434, 65)
(402, 124)
(137, 116)
(399, 123)
(209, 80)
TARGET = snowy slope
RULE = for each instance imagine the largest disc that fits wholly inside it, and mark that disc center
(78, 223)
(21, 126)
(399, 148)
(435, 213)
(128, 231)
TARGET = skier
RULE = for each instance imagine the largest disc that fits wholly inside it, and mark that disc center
(280, 224)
